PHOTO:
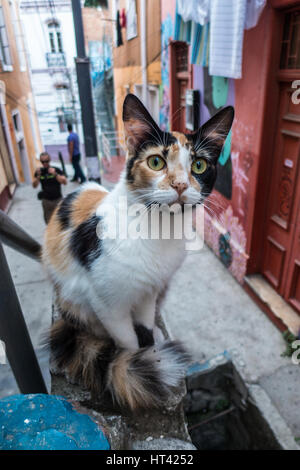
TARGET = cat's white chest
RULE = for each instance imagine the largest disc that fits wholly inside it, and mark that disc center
(144, 264)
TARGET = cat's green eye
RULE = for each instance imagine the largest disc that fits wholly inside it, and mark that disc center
(199, 166)
(156, 163)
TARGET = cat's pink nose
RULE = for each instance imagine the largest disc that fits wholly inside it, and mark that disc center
(179, 186)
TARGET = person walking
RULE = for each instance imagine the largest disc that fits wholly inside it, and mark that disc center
(51, 179)
(74, 153)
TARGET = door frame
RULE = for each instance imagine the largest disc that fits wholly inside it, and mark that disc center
(174, 92)
(19, 136)
(271, 103)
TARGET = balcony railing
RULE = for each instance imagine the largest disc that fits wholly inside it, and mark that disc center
(113, 143)
(13, 329)
(56, 59)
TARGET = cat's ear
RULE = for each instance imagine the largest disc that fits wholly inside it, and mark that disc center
(213, 133)
(139, 126)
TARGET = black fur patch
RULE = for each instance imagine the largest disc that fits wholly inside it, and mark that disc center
(145, 336)
(65, 208)
(207, 179)
(63, 344)
(85, 243)
(129, 165)
(71, 319)
(105, 356)
(149, 377)
(177, 348)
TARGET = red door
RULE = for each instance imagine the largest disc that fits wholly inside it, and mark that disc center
(281, 263)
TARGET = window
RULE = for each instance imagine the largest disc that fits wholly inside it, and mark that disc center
(138, 91)
(290, 47)
(152, 99)
(18, 35)
(5, 56)
(131, 19)
(65, 110)
(153, 102)
(17, 121)
(55, 38)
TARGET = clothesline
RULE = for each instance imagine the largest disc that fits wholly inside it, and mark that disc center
(215, 30)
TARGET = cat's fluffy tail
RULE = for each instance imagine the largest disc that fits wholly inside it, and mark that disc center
(141, 379)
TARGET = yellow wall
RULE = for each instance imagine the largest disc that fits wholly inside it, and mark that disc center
(18, 92)
(3, 179)
(127, 58)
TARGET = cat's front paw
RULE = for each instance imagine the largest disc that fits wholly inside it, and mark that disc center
(158, 335)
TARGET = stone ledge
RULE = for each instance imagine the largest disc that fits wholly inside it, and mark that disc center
(162, 428)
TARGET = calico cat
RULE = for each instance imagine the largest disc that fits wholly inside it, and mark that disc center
(107, 289)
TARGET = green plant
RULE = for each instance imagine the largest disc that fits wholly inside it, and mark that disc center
(222, 405)
(96, 3)
(289, 338)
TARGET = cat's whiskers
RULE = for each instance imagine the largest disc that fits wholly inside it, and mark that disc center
(213, 214)
(216, 202)
(201, 145)
(220, 134)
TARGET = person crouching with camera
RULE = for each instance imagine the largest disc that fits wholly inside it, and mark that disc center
(51, 179)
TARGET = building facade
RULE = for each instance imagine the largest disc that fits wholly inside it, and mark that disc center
(98, 34)
(50, 42)
(254, 222)
(137, 53)
(20, 142)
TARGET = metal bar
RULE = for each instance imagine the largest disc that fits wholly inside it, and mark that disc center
(62, 164)
(14, 333)
(15, 237)
(78, 27)
(205, 421)
(85, 95)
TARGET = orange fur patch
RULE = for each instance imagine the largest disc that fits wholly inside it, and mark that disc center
(194, 183)
(85, 205)
(180, 137)
(56, 247)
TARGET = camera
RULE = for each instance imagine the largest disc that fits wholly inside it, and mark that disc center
(44, 171)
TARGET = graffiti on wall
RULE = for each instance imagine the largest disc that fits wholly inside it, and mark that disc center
(240, 173)
(166, 34)
(215, 96)
(225, 230)
(227, 238)
(100, 53)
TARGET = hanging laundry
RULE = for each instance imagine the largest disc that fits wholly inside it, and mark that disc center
(215, 30)
(195, 10)
(123, 18)
(119, 32)
(196, 37)
(227, 20)
(182, 29)
(200, 44)
(131, 19)
(253, 12)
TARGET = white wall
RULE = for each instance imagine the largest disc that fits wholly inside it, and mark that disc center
(34, 17)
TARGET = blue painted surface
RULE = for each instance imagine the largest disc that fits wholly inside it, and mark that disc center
(46, 422)
(198, 367)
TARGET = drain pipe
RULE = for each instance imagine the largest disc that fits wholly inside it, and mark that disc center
(143, 26)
